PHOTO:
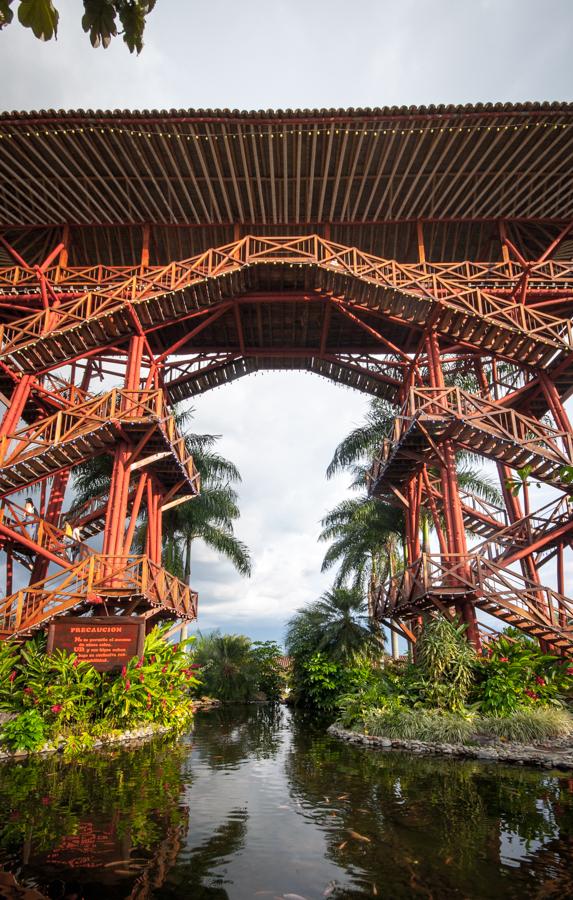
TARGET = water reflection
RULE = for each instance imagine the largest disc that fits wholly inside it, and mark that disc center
(436, 828)
(115, 822)
(231, 734)
(257, 802)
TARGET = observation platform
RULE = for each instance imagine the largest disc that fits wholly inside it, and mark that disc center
(440, 582)
(129, 585)
(481, 426)
(85, 430)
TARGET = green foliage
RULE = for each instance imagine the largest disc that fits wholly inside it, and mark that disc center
(394, 685)
(333, 647)
(517, 673)
(41, 16)
(362, 444)
(270, 678)
(99, 19)
(419, 724)
(525, 725)
(72, 699)
(321, 681)
(566, 473)
(336, 625)
(25, 732)
(446, 663)
(364, 535)
(78, 744)
(507, 687)
(228, 669)
(6, 14)
(154, 688)
(514, 485)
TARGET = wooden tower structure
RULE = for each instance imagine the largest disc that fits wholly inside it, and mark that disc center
(422, 255)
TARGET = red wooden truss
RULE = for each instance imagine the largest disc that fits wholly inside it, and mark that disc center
(396, 252)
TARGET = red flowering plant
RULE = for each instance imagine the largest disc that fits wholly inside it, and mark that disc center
(11, 683)
(515, 672)
(58, 686)
(72, 699)
(155, 687)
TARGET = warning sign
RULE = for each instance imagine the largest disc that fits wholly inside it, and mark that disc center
(107, 642)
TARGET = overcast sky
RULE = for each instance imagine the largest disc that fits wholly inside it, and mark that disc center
(281, 428)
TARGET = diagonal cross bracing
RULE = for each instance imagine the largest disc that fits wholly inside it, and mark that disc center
(469, 315)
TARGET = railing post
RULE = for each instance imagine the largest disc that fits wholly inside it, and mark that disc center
(19, 608)
(58, 431)
(91, 571)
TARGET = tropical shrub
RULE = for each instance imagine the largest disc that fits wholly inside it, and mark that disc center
(235, 670)
(270, 677)
(516, 673)
(59, 687)
(25, 732)
(59, 695)
(396, 684)
(228, 669)
(515, 692)
(320, 682)
(153, 687)
(337, 625)
(446, 663)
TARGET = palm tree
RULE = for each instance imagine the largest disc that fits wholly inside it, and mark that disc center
(367, 536)
(367, 532)
(210, 516)
(337, 624)
(228, 669)
(362, 444)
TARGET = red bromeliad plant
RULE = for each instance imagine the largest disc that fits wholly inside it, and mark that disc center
(517, 673)
(154, 687)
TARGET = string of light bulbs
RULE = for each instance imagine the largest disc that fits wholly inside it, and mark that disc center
(272, 134)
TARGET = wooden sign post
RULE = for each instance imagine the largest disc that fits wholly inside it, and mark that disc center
(107, 642)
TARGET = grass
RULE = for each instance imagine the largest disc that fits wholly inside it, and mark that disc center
(525, 726)
(535, 724)
(419, 725)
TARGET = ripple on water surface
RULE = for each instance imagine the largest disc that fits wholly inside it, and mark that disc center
(260, 802)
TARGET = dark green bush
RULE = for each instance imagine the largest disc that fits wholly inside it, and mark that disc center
(270, 677)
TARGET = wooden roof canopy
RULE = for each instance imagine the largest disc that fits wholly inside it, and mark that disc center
(363, 177)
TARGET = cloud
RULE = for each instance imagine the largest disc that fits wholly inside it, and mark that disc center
(296, 53)
(281, 430)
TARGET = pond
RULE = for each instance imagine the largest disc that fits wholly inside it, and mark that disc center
(259, 802)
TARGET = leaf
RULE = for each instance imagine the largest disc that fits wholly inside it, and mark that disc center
(99, 19)
(6, 14)
(41, 16)
(132, 17)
